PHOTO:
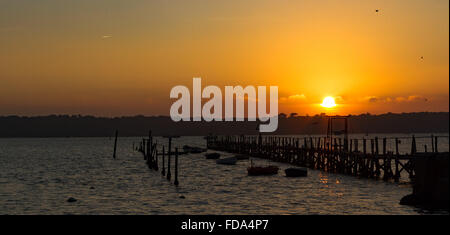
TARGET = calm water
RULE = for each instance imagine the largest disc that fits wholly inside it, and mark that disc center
(38, 175)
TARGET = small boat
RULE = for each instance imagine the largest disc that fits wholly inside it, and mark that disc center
(227, 161)
(262, 170)
(296, 172)
(242, 157)
(212, 155)
(190, 149)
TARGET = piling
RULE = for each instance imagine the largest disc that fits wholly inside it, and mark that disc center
(144, 148)
(168, 159)
(435, 144)
(397, 162)
(163, 171)
(155, 166)
(115, 144)
(150, 149)
(176, 167)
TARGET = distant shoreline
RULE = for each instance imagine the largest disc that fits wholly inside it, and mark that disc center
(406, 135)
(137, 126)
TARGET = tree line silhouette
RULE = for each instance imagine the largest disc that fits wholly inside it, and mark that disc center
(90, 126)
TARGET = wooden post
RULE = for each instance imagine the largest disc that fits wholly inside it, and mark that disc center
(163, 172)
(148, 154)
(150, 150)
(377, 160)
(376, 146)
(115, 144)
(176, 167)
(397, 162)
(413, 145)
(168, 159)
(143, 148)
(435, 144)
(432, 144)
(386, 161)
(364, 147)
(155, 165)
(372, 158)
(396, 146)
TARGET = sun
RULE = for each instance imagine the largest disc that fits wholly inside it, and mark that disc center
(328, 102)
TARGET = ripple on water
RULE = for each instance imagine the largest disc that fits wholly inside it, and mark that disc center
(38, 175)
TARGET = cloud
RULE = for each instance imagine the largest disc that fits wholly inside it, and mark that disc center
(297, 97)
(399, 99)
(411, 98)
(339, 99)
(372, 99)
(106, 36)
(292, 98)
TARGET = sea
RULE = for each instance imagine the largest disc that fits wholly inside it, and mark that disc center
(38, 175)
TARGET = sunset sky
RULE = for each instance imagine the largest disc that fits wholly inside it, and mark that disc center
(122, 57)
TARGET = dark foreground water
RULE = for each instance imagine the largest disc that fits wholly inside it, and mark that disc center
(38, 175)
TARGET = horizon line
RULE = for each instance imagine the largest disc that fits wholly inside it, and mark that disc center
(288, 115)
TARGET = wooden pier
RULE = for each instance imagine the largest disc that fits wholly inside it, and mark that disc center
(356, 157)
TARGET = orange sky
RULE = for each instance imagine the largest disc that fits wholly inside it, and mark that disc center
(111, 57)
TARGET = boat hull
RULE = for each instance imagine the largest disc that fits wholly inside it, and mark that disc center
(296, 172)
(189, 149)
(212, 156)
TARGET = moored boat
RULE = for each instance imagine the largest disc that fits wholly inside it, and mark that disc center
(212, 155)
(190, 149)
(296, 172)
(227, 161)
(262, 170)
